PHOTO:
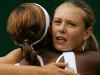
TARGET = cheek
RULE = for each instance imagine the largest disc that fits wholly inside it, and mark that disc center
(53, 29)
(76, 37)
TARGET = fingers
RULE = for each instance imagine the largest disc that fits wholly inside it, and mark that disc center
(56, 69)
(71, 72)
(68, 70)
(61, 65)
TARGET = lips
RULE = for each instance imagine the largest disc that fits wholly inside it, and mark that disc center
(61, 39)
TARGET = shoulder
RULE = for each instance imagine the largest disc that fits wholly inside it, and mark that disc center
(93, 61)
(94, 54)
(90, 55)
(89, 60)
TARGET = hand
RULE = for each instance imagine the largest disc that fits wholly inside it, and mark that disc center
(57, 69)
(68, 70)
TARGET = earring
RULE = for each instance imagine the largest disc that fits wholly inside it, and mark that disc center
(83, 47)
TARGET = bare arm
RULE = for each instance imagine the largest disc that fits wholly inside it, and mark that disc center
(13, 57)
(51, 69)
(58, 69)
(6, 69)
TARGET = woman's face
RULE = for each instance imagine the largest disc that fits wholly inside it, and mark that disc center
(68, 29)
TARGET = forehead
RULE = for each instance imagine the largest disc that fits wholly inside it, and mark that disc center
(71, 9)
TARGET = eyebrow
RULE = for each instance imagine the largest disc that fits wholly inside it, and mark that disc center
(55, 18)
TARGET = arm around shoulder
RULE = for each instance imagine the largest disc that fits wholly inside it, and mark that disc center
(12, 57)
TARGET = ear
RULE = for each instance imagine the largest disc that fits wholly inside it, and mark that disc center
(88, 32)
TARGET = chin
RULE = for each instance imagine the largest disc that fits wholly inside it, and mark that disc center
(64, 49)
(59, 48)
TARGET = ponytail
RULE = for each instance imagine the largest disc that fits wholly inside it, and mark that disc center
(30, 54)
(92, 43)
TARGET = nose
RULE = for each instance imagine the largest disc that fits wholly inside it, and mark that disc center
(62, 28)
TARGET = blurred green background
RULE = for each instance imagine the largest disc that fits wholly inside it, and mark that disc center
(6, 6)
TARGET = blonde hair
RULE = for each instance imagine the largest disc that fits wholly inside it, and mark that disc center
(89, 21)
